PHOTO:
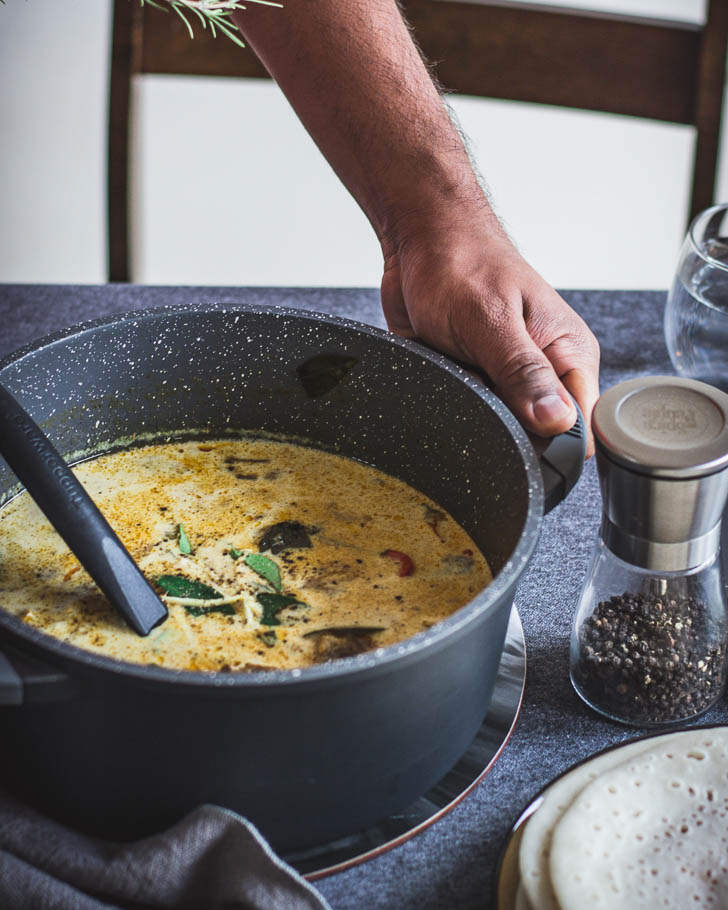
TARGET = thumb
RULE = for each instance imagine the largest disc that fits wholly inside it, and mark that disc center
(525, 379)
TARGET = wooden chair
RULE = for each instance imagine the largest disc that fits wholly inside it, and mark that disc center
(660, 70)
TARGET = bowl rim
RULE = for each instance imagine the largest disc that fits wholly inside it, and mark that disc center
(378, 660)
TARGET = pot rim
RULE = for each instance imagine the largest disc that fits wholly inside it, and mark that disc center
(375, 660)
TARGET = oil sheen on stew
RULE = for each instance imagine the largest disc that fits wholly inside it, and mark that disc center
(268, 555)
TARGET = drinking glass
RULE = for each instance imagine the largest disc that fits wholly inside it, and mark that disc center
(696, 314)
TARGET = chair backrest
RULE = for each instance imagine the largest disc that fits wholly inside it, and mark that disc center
(660, 70)
(146, 40)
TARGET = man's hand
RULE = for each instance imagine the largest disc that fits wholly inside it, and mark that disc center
(452, 277)
(470, 294)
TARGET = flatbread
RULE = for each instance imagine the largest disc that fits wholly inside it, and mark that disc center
(652, 832)
(535, 848)
(521, 902)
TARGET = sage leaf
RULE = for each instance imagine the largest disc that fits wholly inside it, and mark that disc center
(235, 554)
(273, 603)
(225, 609)
(179, 586)
(184, 544)
(266, 568)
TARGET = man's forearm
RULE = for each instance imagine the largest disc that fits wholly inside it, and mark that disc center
(356, 80)
(451, 276)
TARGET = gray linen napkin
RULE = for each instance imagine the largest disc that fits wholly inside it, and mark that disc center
(211, 859)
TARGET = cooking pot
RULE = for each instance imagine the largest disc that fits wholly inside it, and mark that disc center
(122, 750)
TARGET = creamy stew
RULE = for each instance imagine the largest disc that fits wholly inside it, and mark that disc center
(268, 555)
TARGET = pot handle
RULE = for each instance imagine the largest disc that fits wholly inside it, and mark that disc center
(562, 460)
(561, 457)
(25, 680)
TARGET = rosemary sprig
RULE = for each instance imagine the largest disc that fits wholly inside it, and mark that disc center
(215, 13)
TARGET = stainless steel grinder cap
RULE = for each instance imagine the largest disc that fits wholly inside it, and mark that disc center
(662, 456)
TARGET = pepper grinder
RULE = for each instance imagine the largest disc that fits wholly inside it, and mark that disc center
(648, 644)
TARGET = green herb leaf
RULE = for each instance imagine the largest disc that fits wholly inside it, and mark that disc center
(179, 586)
(225, 609)
(235, 554)
(273, 603)
(184, 544)
(269, 638)
(266, 568)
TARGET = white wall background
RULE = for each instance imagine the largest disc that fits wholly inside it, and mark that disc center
(230, 189)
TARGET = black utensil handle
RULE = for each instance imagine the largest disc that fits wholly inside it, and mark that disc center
(562, 461)
(73, 514)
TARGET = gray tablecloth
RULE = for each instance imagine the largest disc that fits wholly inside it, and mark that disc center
(451, 864)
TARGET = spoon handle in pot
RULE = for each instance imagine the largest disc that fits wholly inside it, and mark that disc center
(72, 512)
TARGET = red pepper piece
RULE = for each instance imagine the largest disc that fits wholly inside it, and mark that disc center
(406, 566)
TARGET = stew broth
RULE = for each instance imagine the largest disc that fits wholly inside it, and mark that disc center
(268, 555)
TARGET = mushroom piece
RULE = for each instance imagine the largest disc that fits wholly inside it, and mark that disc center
(458, 564)
(285, 535)
(342, 641)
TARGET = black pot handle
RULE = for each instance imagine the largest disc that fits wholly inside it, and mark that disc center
(562, 460)
(25, 680)
(561, 457)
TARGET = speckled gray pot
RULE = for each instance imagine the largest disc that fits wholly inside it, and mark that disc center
(308, 755)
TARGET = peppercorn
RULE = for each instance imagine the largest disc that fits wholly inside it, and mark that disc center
(649, 659)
